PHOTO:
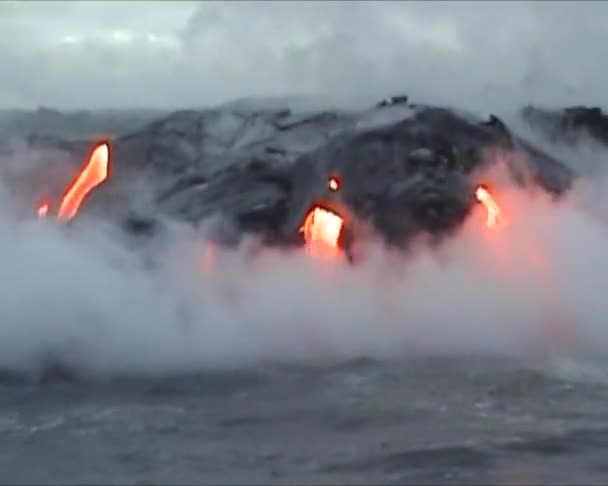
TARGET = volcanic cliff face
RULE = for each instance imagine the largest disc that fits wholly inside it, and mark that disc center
(405, 168)
(571, 124)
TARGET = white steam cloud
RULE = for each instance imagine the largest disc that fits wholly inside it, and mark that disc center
(132, 53)
(82, 296)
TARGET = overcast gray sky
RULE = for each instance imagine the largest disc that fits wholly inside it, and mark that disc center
(127, 53)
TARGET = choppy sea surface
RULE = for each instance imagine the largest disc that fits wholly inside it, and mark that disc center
(423, 421)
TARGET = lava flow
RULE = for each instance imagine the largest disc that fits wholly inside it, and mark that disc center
(92, 174)
(43, 209)
(558, 328)
(323, 227)
(484, 197)
(334, 184)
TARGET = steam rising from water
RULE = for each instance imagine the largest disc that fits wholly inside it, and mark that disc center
(82, 297)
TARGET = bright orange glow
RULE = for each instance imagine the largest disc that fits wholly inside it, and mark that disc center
(43, 209)
(518, 254)
(334, 184)
(322, 230)
(485, 198)
(94, 172)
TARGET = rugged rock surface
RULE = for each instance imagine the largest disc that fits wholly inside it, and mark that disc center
(569, 125)
(406, 168)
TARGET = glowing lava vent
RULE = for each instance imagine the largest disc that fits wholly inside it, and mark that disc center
(92, 174)
(324, 224)
(43, 209)
(334, 184)
(322, 229)
(484, 197)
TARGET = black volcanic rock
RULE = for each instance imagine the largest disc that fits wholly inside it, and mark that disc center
(569, 124)
(405, 168)
(392, 101)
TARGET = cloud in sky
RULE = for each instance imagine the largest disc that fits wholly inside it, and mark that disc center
(129, 53)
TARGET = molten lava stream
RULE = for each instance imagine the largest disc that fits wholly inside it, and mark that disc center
(43, 209)
(532, 252)
(499, 250)
(94, 172)
(558, 329)
(322, 229)
(492, 208)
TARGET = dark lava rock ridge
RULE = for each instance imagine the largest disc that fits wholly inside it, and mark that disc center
(406, 168)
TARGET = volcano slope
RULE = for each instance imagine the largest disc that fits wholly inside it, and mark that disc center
(406, 169)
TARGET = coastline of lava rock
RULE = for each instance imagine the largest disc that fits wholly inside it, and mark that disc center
(406, 168)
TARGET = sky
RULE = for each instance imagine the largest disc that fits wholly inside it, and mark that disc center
(114, 54)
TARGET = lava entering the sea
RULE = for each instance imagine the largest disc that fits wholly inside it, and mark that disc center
(94, 172)
(43, 209)
(322, 229)
(334, 184)
(324, 225)
(493, 209)
(522, 254)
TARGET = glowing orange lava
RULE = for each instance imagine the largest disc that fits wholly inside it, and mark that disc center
(485, 198)
(322, 229)
(523, 255)
(333, 184)
(43, 209)
(94, 172)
